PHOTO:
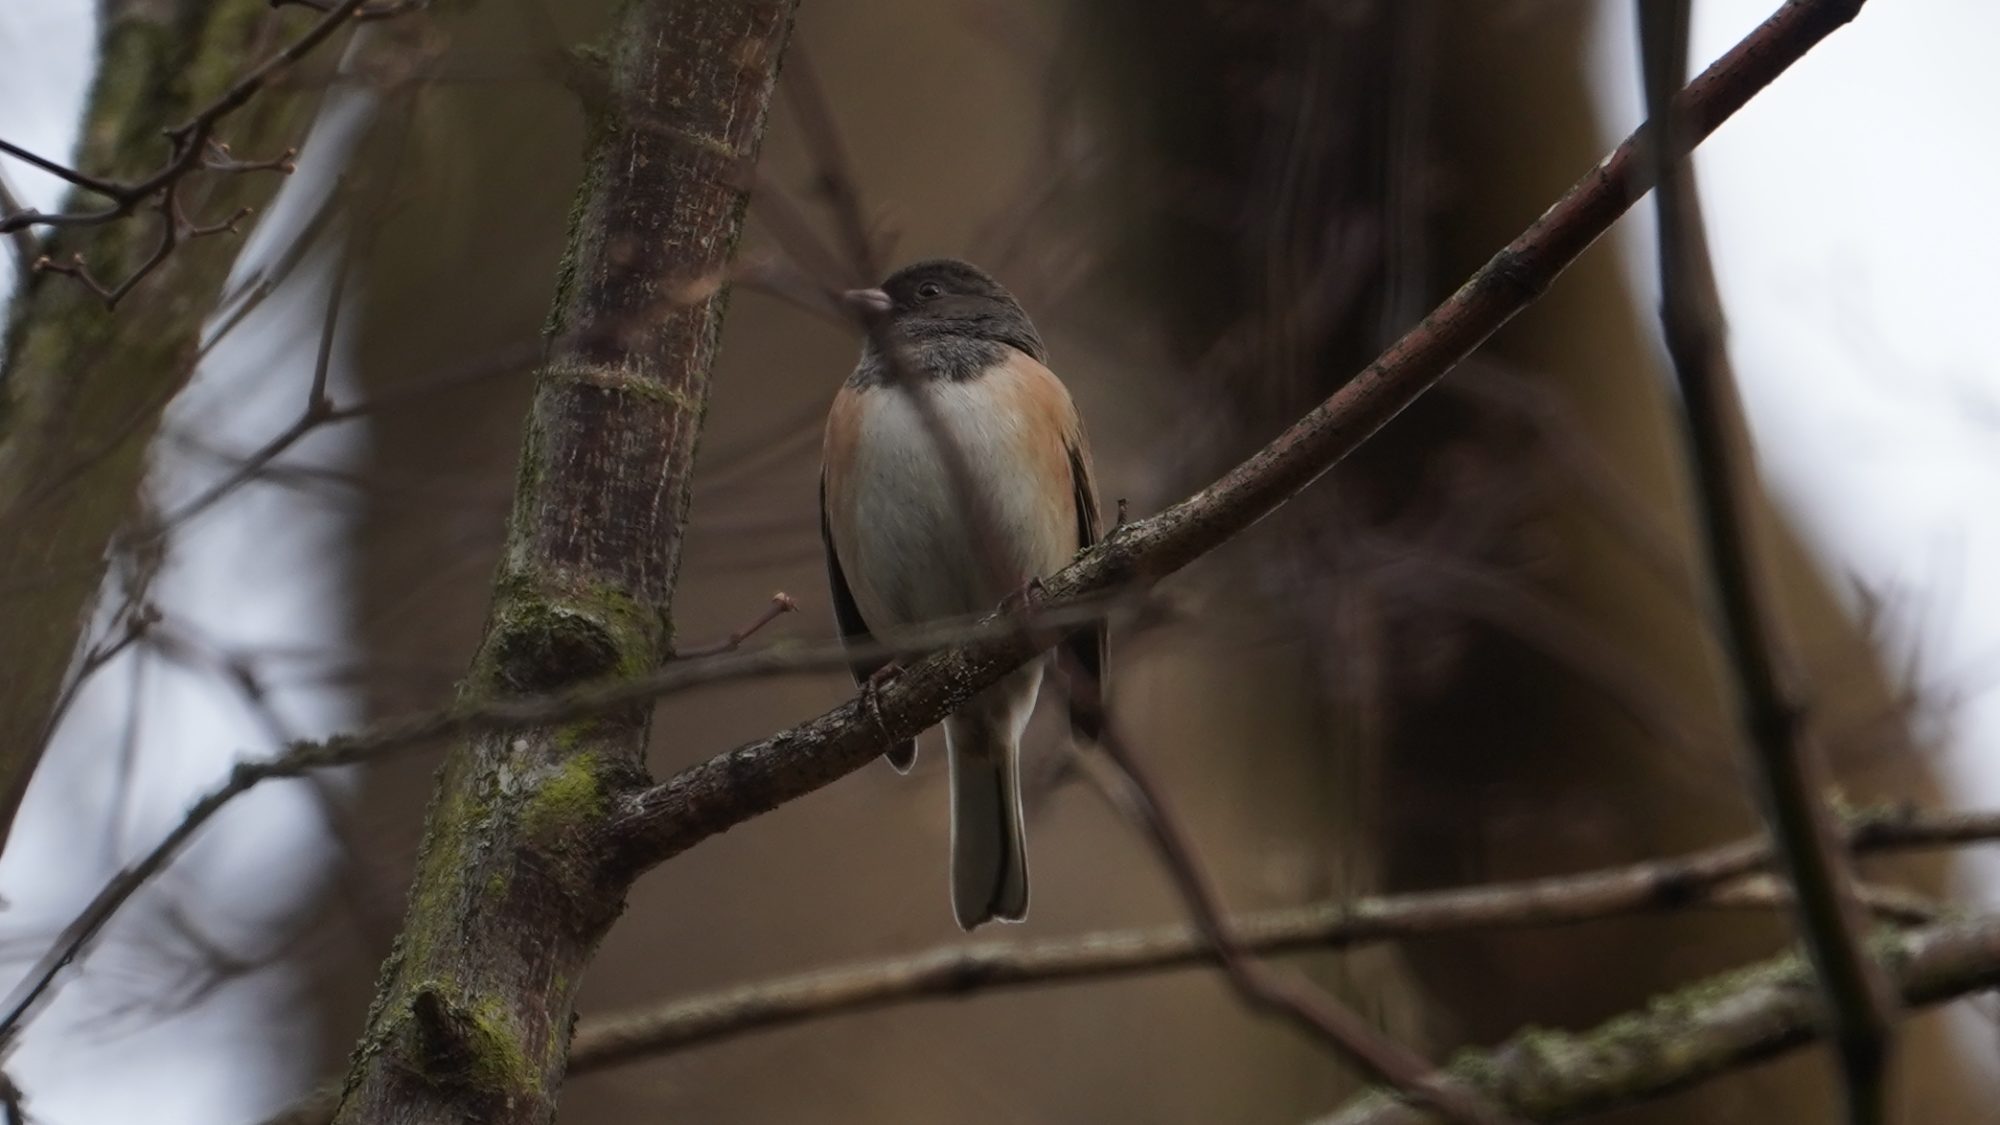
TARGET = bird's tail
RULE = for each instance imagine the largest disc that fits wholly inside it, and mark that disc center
(989, 857)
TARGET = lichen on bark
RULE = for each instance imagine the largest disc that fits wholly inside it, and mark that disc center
(513, 890)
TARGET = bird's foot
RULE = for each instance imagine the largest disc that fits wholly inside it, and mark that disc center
(880, 677)
(871, 692)
(1019, 599)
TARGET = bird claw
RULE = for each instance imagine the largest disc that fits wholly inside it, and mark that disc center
(880, 677)
(1020, 598)
(871, 691)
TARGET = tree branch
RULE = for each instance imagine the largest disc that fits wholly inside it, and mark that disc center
(655, 823)
(1720, 878)
(1701, 1031)
(1717, 878)
(1262, 988)
(513, 891)
(586, 702)
(726, 790)
(82, 391)
(1789, 767)
(191, 140)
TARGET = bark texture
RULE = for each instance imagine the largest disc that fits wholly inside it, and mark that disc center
(83, 386)
(512, 892)
(1757, 1012)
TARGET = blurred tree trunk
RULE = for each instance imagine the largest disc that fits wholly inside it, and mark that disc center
(83, 386)
(1513, 667)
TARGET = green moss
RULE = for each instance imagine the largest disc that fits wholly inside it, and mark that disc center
(1703, 995)
(572, 737)
(637, 627)
(499, 1062)
(571, 798)
(527, 492)
(540, 646)
(221, 63)
(582, 243)
(454, 823)
(472, 1046)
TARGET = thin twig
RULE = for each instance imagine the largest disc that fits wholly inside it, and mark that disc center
(593, 699)
(27, 248)
(1789, 767)
(378, 10)
(1262, 988)
(106, 903)
(139, 619)
(834, 179)
(1725, 877)
(781, 604)
(193, 147)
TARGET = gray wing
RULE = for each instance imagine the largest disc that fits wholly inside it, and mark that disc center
(1089, 647)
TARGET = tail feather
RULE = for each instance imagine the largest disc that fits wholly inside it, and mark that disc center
(902, 755)
(989, 857)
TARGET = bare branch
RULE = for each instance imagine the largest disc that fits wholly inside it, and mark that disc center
(1263, 989)
(1704, 1030)
(591, 700)
(193, 147)
(781, 604)
(835, 183)
(27, 248)
(1720, 878)
(191, 140)
(377, 10)
(1789, 767)
(36, 985)
(730, 788)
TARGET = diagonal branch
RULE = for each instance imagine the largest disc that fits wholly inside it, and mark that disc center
(1704, 1030)
(733, 787)
(190, 140)
(1263, 989)
(83, 390)
(1788, 764)
(654, 824)
(594, 700)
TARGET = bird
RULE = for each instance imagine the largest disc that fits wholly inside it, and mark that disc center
(917, 530)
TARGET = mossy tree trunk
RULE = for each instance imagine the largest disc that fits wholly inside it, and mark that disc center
(83, 386)
(512, 893)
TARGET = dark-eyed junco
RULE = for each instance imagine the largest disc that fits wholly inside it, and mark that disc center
(905, 547)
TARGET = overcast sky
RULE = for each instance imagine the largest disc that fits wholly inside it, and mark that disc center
(1855, 229)
(1854, 211)
(260, 571)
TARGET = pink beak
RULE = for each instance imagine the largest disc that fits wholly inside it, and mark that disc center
(866, 302)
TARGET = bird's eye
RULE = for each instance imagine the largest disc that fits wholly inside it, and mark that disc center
(930, 290)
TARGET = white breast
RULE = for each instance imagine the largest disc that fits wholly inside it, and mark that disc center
(906, 540)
